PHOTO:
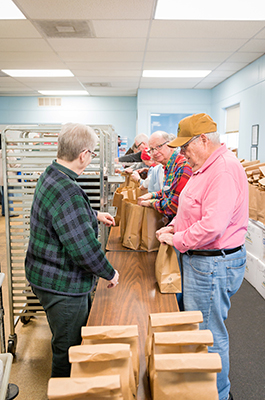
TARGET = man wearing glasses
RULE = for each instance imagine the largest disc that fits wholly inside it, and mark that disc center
(140, 143)
(209, 230)
(64, 256)
(177, 172)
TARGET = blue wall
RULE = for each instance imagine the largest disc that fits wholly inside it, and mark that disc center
(117, 111)
(175, 101)
(247, 88)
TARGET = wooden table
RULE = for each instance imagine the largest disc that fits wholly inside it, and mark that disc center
(114, 241)
(131, 302)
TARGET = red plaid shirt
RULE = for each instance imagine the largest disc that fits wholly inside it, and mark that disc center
(176, 174)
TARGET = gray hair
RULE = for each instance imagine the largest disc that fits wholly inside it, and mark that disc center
(141, 137)
(214, 137)
(74, 138)
(166, 136)
(172, 136)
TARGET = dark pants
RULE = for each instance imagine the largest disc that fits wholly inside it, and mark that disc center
(66, 315)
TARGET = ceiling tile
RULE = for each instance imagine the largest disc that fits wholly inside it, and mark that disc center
(120, 29)
(106, 56)
(103, 66)
(99, 45)
(205, 29)
(26, 45)
(29, 56)
(127, 40)
(180, 65)
(192, 56)
(84, 9)
(244, 57)
(231, 66)
(254, 46)
(17, 29)
(194, 44)
(105, 73)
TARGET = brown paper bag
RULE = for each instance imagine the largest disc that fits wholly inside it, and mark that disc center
(179, 342)
(124, 214)
(253, 194)
(104, 359)
(182, 342)
(133, 228)
(171, 321)
(115, 334)
(167, 270)
(261, 206)
(120, 194)
(152, 221)
(186, 376)
(140, 192)
(117, 199)
(127, 179)
(94, 388)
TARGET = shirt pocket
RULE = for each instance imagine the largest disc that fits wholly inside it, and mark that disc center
(191, 207)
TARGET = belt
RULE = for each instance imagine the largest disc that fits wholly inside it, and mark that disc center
(212, 253)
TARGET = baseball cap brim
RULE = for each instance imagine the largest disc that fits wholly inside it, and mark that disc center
(179, 141)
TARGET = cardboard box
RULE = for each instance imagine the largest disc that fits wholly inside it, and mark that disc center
(255, 239)
(260, 279)
(251, 269)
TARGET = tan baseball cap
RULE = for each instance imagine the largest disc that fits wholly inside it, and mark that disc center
(191, 126)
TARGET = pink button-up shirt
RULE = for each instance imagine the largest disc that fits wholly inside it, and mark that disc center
(213, 206)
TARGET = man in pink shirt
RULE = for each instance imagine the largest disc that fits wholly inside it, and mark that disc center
(209, 230)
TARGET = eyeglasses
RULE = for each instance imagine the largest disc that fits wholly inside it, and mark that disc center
(185, 146)
(93, 155)
(157, 148)
(137, 147)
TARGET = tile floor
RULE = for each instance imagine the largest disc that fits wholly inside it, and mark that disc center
(31, 366)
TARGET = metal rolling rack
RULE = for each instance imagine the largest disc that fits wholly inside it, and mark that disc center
(26, 152)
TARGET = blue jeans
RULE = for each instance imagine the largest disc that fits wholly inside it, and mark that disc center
(209, 283)
(180, 295)
(66, 315)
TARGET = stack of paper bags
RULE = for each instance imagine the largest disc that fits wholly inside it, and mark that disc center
(94, 388)
(127, 334)
(104, 360)
(170, 322)
(178, 363)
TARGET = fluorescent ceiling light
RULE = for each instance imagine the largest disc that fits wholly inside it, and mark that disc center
(64, 92)
(38, 73)
(225, 10)
(175, 73)
(10, 11)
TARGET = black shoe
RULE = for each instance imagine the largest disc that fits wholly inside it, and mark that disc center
(230, 396)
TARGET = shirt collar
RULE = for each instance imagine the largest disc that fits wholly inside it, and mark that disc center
(171, 160)
(65, 170)
(210, 160)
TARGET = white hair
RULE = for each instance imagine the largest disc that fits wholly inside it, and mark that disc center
(214, 137)
(141, 137)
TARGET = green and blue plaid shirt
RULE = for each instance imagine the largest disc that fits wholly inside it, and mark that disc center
(64, 255)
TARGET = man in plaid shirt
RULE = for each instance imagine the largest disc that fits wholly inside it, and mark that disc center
(64, 256)
(177, 172)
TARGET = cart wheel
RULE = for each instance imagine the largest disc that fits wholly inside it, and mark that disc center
(25, 320)
(12, 345)
(12, 391)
